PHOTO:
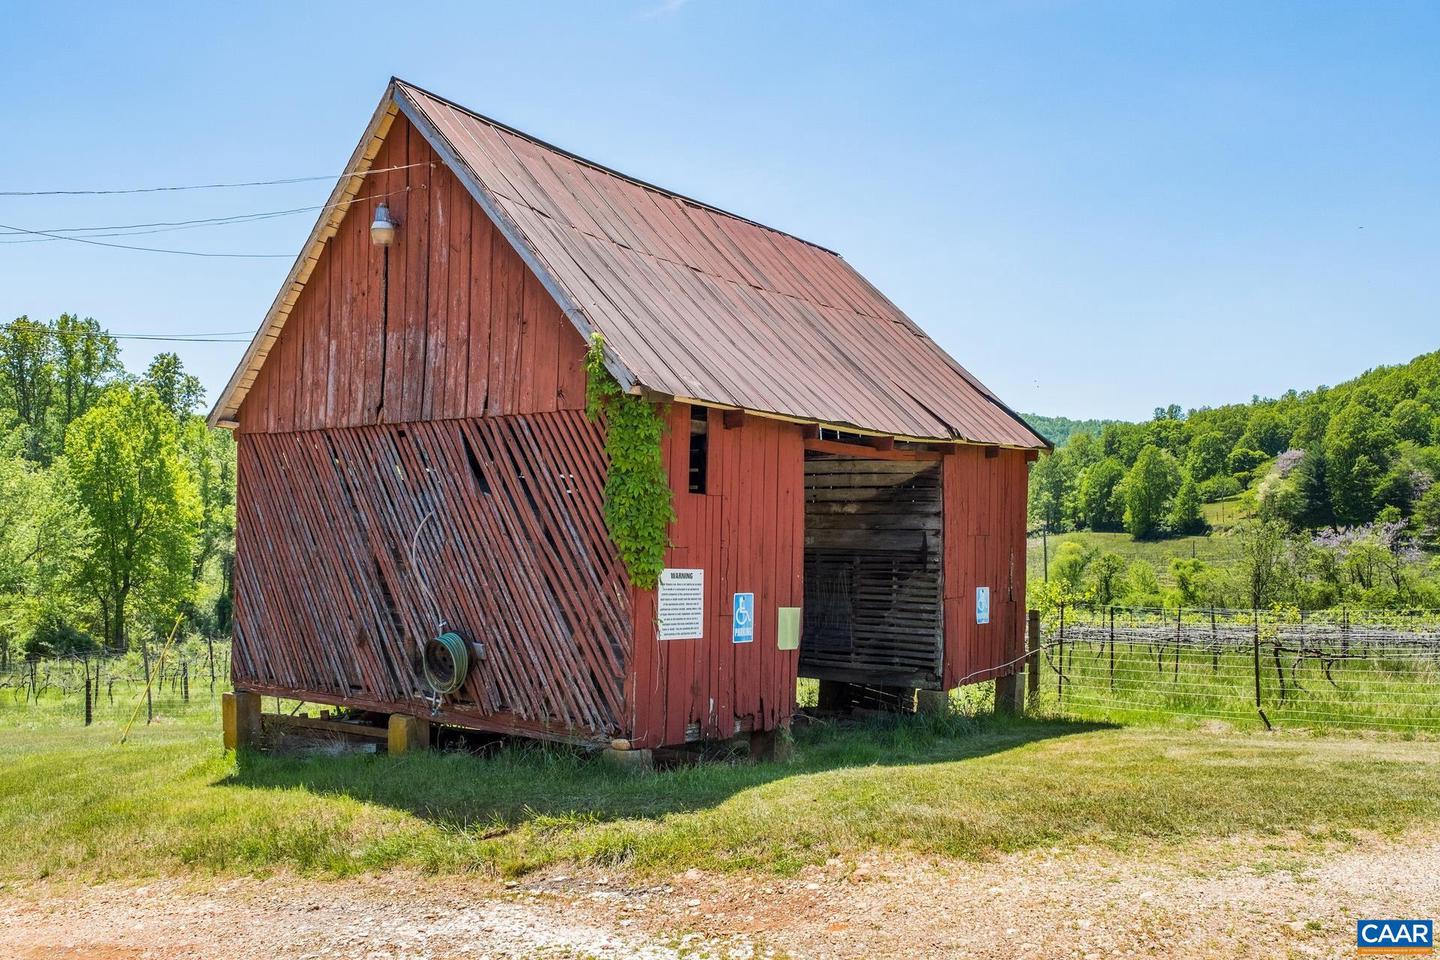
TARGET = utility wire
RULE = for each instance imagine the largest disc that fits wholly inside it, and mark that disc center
(163, 226)
(54, 235)
(203, 186)
(128, 246)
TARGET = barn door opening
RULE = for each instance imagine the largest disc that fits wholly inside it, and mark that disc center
(872, 572)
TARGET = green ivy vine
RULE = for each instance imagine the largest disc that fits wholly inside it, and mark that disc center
(638, 508)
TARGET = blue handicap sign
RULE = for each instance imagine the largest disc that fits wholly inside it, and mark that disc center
(742, 624)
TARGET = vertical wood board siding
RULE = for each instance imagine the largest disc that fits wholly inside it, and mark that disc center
(466, 329)
(747, 533)
(984, 546)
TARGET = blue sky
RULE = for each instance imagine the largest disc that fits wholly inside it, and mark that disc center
(1096, 207)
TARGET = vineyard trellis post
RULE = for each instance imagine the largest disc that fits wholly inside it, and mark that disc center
(149, 699)
(1032, 671)
(1175, 674)
(1112, 647)
(1060, 659)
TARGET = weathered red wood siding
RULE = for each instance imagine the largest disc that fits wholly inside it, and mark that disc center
(463, 397)
(504, 517)
(984, 547)
(747, 533)
(470, 330)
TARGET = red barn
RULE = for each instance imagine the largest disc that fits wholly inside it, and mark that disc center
(415, 457)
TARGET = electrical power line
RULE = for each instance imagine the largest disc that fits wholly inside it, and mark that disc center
(204, 186)
(184, 339)
(165, 226)
(128, 246)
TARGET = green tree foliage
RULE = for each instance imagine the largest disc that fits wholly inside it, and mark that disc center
(1207, 455)
(50, 373)
(1105, 578)
(87, 360)
(1263, 566)
(1185, 516)
(1098, 504)
(180, 392)
(1427, 515)
(1069, 565)
(1358, 446)
(27, 378)
(1147, 490)
(1050, 481)
(1366, 445)
(131, 485)
(1061, 430)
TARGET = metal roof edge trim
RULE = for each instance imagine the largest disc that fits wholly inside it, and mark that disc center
(849, 427)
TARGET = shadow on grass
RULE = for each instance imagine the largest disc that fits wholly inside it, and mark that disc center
(526, 782)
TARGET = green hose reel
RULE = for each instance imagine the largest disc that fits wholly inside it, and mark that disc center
(446, 662)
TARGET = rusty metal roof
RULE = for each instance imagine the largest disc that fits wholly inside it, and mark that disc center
(697, 303)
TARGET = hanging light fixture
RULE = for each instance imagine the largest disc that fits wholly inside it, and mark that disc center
(382, 230)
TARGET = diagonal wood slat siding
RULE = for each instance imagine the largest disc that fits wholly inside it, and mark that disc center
(516, 555)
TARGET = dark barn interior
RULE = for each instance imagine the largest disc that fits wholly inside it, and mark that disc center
(873, 552)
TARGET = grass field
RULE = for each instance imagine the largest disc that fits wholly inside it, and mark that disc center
(1219, 549)
(77, 806)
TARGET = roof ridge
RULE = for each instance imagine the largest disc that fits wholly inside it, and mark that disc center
(610, 171)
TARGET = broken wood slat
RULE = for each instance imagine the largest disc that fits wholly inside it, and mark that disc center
(282, 722)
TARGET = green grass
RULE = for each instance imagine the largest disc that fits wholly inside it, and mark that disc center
(79, 807)
(1219, 549)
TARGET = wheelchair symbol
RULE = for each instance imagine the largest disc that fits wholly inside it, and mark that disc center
(743, 619)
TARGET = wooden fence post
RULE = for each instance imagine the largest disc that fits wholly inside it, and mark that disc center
(1032, 667)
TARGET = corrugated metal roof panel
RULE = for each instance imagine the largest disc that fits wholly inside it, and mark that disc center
(699, 303)
(694, 302)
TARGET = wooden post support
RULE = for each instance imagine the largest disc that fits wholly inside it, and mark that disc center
(1032, 667)
(240, 717)
(773, 745)
(933, 703)
(407, 733)
(832, 696)
(1008, 693)
(622, 755)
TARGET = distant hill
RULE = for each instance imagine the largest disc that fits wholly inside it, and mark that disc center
(1364, 450)
(1060, 429)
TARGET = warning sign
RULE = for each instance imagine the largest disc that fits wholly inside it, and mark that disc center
(682, 604)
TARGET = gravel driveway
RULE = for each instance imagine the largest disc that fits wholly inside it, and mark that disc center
(1260, 897)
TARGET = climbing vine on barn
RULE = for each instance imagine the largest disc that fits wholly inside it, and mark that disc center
(638, 508)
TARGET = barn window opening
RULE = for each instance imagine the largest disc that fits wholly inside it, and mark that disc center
(699, 447)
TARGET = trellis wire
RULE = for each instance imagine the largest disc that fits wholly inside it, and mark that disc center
(105, 688)
(1365, 668)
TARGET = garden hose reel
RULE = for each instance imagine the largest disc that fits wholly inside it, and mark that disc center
(445, 663)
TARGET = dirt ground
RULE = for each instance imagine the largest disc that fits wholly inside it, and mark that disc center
(1275, 897)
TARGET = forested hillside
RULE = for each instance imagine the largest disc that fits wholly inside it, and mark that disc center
(1345, 474)
(1059, 430)
(116, 500)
